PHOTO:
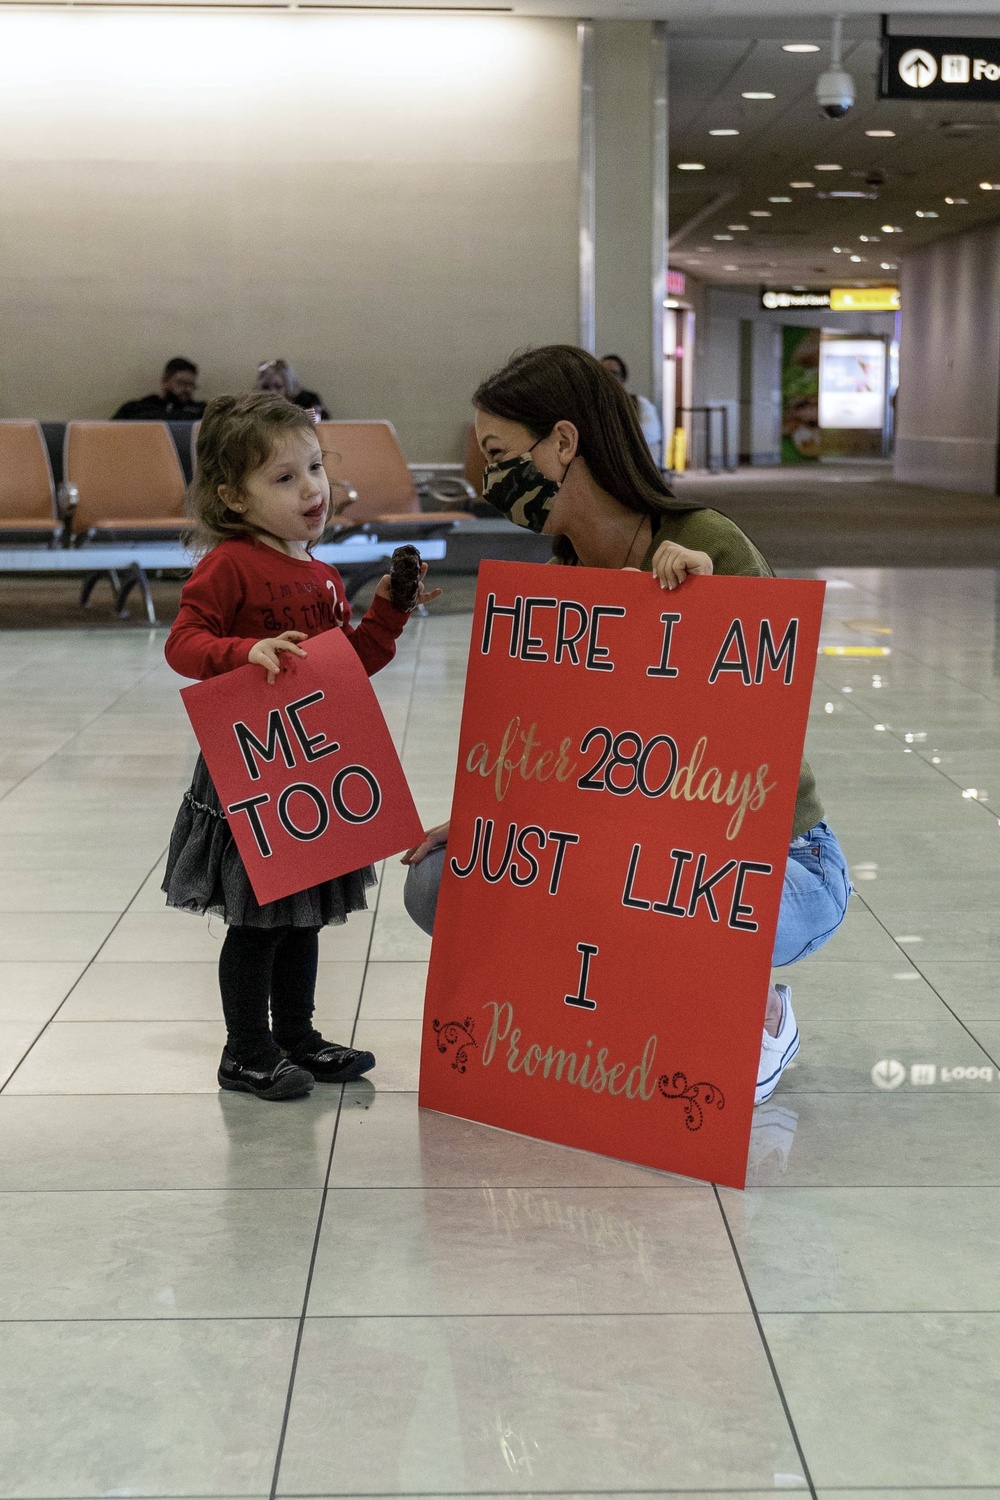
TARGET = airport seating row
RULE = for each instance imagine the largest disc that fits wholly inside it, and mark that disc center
(117, 505)
(119, 477)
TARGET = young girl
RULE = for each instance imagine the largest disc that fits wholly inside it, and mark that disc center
(261, 500)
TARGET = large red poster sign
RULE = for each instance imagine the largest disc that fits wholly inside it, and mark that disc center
(305, 769)
(627, 774)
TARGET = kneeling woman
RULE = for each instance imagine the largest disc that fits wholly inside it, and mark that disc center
(565, 456)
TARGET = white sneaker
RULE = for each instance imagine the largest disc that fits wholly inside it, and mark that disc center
(777, 1051)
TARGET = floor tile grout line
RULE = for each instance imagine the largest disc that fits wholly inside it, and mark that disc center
(496, 1317)
(300, 1330)
(898, 738)
(953, 1013)
(86, 969)
(100, 714)
(765, 1345)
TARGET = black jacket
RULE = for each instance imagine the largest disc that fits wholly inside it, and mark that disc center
(160, 409)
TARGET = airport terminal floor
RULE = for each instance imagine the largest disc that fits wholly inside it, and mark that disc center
(205, 1296)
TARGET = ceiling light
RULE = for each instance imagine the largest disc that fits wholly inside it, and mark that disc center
(690, 166)
(889, 265)
(738, 228)
(881, 133)
(891, 229)
(757, 94)
(990, 187)
(828, 166)
(722, 236)
(857, 259)
(761, 213)
(868, 239)
(779, 200)
(956, 200)
(801, 184)
(730, 268)
(837, 250)
(927, 213)
(723, 132)
(799, 47)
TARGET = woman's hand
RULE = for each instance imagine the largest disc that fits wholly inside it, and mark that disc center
(384, 591)
(267, 654)
(433, 839)
(672, 564)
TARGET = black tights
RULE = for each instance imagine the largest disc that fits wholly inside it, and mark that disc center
(262, 964)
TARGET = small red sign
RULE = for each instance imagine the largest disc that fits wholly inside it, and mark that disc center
(305, 769)
(627, 774)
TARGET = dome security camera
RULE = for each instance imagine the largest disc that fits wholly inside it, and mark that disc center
(835, 89)
(835, 94)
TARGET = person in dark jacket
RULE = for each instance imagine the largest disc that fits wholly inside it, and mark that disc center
(175, 403)
(277, 378)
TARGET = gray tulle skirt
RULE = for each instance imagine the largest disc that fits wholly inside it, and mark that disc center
(205, 873)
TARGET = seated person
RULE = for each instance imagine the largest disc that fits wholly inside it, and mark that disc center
(277, 377)
(175, 403)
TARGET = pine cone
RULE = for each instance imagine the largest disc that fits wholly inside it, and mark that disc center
(404, 577)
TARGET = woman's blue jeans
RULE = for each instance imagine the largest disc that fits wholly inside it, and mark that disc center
(814, 895)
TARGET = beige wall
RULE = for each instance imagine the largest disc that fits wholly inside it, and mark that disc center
(389, 202)
(624, 90)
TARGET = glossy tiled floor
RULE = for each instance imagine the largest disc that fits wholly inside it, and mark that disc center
(205, 1296)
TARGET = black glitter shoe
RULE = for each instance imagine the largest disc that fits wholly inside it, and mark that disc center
(280, 1080)
(330, 1063)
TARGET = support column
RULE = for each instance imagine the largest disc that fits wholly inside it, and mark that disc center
(628, 66)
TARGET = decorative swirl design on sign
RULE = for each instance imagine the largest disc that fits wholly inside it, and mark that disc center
(693, 1096)
(457, 1034)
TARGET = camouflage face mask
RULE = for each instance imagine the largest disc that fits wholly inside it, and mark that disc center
(519, 489)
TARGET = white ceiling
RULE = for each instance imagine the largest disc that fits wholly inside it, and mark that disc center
(939, 150)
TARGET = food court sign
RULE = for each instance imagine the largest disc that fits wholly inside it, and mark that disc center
(940, 67)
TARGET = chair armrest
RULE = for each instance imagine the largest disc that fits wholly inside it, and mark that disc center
(67, 499)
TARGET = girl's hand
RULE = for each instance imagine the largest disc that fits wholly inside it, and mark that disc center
(267, 654)
(433, 839)
(672, 564)
(383, 590)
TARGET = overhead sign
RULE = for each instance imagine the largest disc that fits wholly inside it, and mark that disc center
(627, 772)
(306, 770)
(940, 67)
(779, 297)
(864, 299)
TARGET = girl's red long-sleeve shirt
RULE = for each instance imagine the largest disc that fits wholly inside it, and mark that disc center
(245, 591)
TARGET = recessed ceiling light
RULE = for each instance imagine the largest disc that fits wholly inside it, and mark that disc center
(722, 236)
(836, 250)
(738, 228)
(889, 265)
(761, 213)
(828, 166)
(927, 213)
(891, 229)
(990, 187)
(757, 94)
(857, 259)
(799, 47)
(690, 166)
(730, 268)
(887, 134)
(956, 200)
(723, 132)
(801, 184)
(779, 199)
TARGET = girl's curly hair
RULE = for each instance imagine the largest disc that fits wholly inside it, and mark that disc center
(236, 436)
